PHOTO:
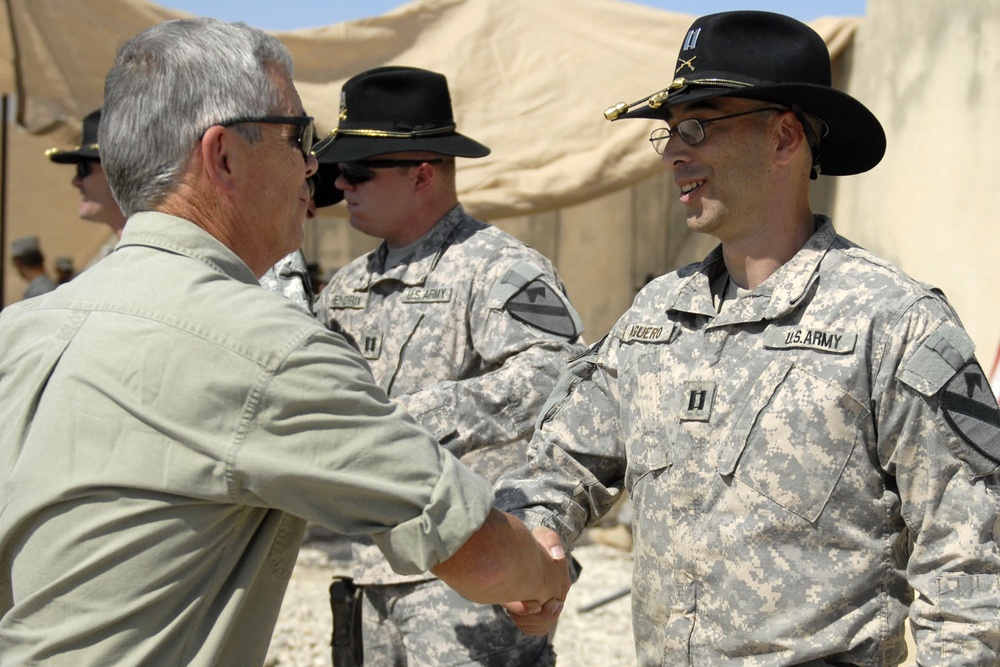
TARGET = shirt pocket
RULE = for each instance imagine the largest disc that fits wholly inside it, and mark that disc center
(646, 426)
(792, 438)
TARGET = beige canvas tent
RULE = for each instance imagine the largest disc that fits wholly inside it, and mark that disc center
(531, 78)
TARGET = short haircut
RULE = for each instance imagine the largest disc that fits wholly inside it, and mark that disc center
(168, 85)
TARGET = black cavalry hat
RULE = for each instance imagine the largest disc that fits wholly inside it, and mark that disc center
(87, 150)
(325, 193)
(390, 109)
(766, 56)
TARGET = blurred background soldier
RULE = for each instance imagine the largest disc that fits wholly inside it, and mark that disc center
(97, 204)
(30, 265)
(64, 270)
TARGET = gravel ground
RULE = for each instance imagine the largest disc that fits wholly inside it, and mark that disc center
(602, 636)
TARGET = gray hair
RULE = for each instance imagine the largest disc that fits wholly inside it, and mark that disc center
(168, 85)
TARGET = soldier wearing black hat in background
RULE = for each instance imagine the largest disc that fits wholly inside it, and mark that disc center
(461, 323)
(809, 442)
(97, 204)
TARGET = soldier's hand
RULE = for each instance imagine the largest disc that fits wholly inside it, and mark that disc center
(552, 544)
(541, 622)
(532, 616)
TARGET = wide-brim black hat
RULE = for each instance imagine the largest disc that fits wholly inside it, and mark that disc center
(392, 109)
(771, 57)
(87, 150)
(325, 193)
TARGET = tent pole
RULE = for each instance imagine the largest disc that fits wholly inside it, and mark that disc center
(3, 197)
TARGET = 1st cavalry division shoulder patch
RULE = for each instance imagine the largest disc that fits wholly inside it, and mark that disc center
(944, 366)
(969, 406)
(531, 300)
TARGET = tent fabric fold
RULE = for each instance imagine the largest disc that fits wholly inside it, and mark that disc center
(528, 78)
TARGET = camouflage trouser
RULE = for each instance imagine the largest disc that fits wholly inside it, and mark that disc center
(427, 624)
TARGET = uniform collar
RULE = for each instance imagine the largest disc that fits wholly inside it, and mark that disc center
(422, 261)
(782, 292)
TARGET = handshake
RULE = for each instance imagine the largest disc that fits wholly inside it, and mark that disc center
(535, 617)
(504, 561)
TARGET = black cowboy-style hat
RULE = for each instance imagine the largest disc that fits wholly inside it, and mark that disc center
(390, 109)
(771, 57)
(325, 193)
(87, 150)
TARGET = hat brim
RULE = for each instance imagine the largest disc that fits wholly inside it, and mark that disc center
(351, 148)
(325, 193)
(74, 156)
(855, 143)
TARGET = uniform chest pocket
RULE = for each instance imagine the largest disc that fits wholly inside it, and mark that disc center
(793, 438)
(645, 412)
(384, 340)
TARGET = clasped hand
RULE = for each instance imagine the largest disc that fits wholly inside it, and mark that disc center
(539, 617)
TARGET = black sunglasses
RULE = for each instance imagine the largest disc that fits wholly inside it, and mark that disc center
(306, 135)
(359, 172)
(85, 168)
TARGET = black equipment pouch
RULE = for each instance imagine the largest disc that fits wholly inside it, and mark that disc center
(345, 603)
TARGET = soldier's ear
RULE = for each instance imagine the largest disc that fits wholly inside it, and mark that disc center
(789, 139)
(424, 175)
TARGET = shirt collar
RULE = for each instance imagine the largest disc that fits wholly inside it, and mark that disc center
(167, 232)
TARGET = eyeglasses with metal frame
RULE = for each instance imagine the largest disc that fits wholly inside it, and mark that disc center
(692, 130)
(304, 140)
(360, 171)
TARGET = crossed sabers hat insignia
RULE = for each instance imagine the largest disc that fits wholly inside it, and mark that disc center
(685, 63)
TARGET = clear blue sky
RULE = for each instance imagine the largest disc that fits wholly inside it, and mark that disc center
(294, 14)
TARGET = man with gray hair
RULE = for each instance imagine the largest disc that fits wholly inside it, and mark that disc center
(156, 490)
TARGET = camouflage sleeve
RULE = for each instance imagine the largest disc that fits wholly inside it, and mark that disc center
(576, 459)
(523, 332)
(289, 277)
(939, 441)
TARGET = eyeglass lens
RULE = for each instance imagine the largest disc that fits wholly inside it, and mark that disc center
(691, 130)
(307, 135)
(304, 138)
(355, 173)
(359, 172)
(84, 168)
